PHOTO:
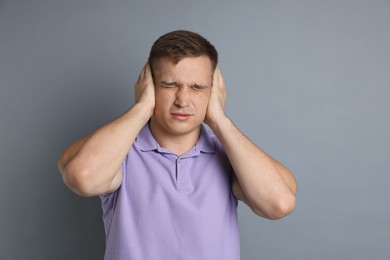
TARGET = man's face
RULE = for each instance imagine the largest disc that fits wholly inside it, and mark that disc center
(182, 94)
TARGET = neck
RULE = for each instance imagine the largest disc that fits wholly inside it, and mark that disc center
(177, 143)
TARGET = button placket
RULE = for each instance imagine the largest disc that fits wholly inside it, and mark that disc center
(181, 175)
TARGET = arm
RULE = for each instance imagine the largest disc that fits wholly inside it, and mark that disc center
(91, 166)
(265, 185)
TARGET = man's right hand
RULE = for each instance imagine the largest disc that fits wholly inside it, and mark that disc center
(144, 89)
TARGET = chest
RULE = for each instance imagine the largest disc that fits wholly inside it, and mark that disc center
(165, 181)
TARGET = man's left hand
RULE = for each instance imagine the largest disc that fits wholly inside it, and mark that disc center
(216, 106)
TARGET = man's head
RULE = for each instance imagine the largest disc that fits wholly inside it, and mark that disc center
(183, 65)
(180, 44)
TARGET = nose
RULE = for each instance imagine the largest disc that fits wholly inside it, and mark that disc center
(182, 96)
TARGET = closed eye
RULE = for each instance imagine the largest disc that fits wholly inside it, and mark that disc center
(168, 84)
(198, 86)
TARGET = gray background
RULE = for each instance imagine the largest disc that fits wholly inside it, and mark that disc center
(308, 81)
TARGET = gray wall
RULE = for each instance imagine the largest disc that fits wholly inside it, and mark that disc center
(309, 81)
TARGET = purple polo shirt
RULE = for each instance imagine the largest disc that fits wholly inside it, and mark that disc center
(173, 207)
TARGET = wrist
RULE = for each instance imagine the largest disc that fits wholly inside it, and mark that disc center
(144, 110)
(219, 123)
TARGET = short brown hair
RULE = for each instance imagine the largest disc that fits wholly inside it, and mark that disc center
(179, 44)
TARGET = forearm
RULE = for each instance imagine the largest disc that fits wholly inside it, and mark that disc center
(268, 187)
(93, 162)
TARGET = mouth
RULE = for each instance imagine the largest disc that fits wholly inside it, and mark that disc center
(181, 116)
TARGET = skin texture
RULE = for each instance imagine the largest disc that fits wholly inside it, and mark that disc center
(179, 98)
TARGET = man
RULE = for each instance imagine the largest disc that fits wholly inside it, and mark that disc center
(169, 186)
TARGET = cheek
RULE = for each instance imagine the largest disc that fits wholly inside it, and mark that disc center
(163, 101)
(202, 104)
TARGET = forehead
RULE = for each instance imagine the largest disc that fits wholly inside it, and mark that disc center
(187, 69)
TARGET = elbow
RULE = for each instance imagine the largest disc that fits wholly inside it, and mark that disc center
(77, 179)
(279, 208)
(285, 206)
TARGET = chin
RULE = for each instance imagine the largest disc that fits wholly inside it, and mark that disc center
(183, 130)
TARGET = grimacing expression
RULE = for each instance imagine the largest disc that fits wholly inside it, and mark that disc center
(182, 93)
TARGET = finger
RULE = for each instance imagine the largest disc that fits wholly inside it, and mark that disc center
(219, 75)
(144, 69)
(215, 77)
(220, 79)
(141, 75)
(148, 71)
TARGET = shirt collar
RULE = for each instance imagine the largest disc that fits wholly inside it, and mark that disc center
(205, 143)
(146, 142)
